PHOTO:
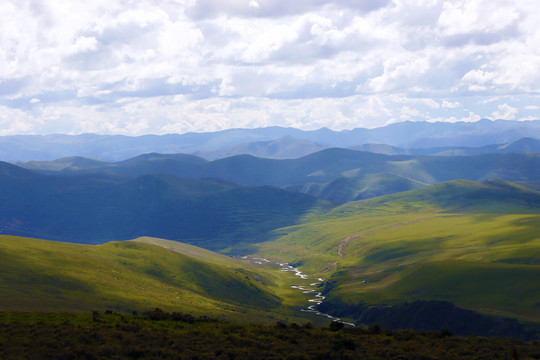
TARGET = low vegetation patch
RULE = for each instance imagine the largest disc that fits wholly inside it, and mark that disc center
(147, 336)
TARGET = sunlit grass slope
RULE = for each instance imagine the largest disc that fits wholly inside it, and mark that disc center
(40, 275)
(474, 244)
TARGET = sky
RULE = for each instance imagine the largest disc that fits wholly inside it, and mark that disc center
(163, 66)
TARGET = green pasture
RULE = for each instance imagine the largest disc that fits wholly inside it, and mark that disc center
(491, 288)
(429, 244)
(39, 275)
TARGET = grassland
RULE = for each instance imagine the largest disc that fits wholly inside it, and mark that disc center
(40, 275)
(475, 245)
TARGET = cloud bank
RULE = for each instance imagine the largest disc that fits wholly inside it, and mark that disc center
(152, 66)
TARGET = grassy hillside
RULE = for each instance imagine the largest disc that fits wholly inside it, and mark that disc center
(40, 275)
(473, 244)
(346, 189)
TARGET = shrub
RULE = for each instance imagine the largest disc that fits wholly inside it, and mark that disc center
(336, 325)
(375, 328)
(281, 325)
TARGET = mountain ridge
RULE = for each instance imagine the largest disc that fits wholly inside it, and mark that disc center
(96, 208)
(405, 134)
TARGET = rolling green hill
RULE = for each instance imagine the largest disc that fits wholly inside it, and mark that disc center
(40, 275)
(476, 245)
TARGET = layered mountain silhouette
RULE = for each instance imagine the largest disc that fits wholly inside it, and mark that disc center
(525, 144)
(408, 135)
(286, 147)
(322, 167)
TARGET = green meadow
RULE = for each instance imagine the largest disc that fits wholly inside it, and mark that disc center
(475, 245)
(40, 275)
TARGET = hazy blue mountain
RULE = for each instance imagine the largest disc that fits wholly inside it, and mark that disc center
(290, 148)
(405, 134)
(285, 147)
(337, 175)
(95, 208)
(70, 162)
(346, 189)
(473, 134)
(382, 149)
(526, 144)
(326, 166)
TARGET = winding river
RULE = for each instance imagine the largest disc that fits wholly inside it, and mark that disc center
(312, 289)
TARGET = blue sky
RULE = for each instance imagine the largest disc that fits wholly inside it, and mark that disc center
(158, 66)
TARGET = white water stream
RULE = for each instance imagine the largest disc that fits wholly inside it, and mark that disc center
(319, 297)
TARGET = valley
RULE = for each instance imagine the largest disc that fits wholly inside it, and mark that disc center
(382, 237)
(266, 179)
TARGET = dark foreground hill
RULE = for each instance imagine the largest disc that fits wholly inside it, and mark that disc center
(154, 336)
(97, 208)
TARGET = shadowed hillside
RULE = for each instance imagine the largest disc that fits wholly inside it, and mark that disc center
(319, 168)
(347, 189)
(96, 208)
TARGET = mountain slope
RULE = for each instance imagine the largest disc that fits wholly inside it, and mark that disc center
(71, 163)
(473, 244)
(526, 144)
(286, 147)
(97, 208)
(493, 196)
(348, 189)
(131, 275)
(328, 165)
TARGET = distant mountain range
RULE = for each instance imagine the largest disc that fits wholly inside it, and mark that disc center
(321, 167)
(286, 147)
(398, 221)
(218, 204)
(525, 144)
(273, 142)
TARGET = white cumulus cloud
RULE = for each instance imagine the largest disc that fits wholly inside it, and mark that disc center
(116, 67)
(505, 112)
